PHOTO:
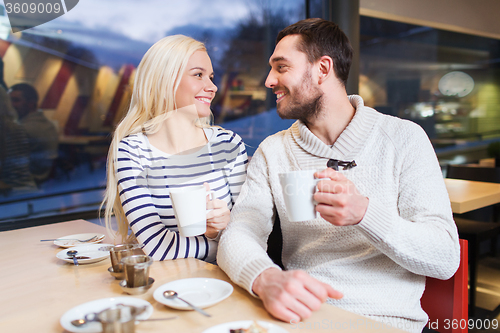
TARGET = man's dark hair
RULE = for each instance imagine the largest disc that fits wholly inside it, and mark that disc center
(319, 38)
(29, 93)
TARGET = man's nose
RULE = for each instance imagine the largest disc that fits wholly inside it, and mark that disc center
(271, 80)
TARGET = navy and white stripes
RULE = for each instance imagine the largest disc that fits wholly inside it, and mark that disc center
(145, 174)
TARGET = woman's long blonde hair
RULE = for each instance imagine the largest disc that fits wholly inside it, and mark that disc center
(153, 97)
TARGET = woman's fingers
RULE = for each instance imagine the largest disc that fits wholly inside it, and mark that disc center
(218, 216)
(216, 204)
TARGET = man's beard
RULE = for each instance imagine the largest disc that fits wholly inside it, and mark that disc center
(304, 104)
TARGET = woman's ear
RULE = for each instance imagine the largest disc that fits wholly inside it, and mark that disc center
(325, 68)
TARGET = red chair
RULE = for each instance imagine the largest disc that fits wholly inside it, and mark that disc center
(445, 301)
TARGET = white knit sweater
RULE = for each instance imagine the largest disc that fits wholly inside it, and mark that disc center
(380, 264)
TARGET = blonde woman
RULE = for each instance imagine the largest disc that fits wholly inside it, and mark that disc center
(165, 141)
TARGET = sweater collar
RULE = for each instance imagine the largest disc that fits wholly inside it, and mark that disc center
(350, 141)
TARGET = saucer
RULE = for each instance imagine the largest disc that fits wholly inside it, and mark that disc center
(71, 240)
(117, 275)
(136, 290)
(234, 325)
(202, 292)
(81, 310)
(91, 251)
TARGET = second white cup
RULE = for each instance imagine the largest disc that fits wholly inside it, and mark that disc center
(298, 190)
(190, 209)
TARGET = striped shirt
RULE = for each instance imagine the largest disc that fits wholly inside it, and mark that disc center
(145, 174)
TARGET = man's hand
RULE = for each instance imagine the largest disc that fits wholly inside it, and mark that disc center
(218, 217)
(291, 295)
(339, 201)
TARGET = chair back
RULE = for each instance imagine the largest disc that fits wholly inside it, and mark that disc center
(275, 243)
(481, 174)
(445, 301)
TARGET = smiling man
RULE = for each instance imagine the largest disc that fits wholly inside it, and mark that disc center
(385, 220)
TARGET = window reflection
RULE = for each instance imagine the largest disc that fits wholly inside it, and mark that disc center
(445, 81)
(82, 67)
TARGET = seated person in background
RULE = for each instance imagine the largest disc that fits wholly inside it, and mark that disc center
(166, 140)
(42, 133)
(14, 150)
(385, 224)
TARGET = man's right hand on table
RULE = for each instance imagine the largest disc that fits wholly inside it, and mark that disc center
(292, 295)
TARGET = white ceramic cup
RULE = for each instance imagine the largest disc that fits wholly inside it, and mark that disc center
(298, 190)
(190, 209)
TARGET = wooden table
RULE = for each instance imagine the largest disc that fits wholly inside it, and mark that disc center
(37, 289)
(467, 195)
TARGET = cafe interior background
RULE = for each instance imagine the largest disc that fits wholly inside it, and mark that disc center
(435, 62)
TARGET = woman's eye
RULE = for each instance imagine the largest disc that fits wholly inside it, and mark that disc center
(198, 74)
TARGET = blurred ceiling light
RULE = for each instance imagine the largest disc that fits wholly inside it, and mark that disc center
(456, 84)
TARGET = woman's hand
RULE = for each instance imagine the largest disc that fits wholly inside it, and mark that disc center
(218, 217)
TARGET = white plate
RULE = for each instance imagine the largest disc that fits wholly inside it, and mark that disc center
(92, 251)
(70, 241)
(81, 310)
(202, 292)
(224, 328)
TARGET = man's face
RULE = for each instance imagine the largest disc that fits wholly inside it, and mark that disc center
(290, 77)
(22, 106)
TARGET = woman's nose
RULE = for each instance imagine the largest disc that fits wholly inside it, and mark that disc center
(211, 86)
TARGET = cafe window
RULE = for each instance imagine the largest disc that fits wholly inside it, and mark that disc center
(445, 81)
(82, 66)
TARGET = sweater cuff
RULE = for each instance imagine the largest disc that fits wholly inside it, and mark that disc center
(377, 222)
(252, 270)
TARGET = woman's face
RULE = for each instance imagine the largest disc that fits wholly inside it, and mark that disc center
(196, 86)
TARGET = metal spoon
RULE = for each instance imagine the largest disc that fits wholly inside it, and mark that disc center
(81, 322)
(80, 257)
(78, 322)
(73, 253)
(169, 294)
